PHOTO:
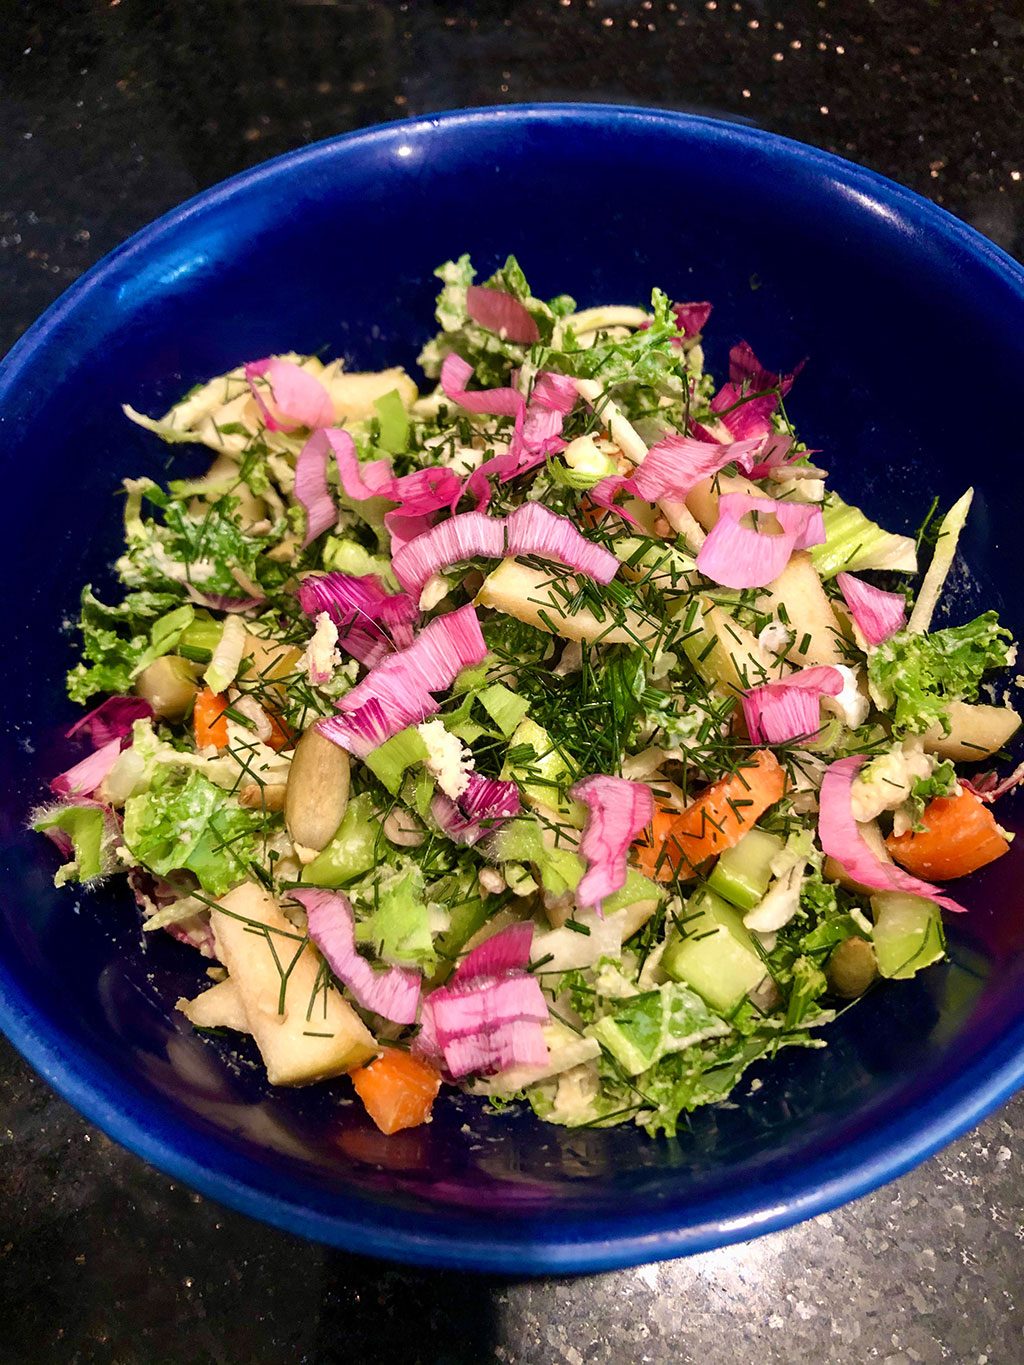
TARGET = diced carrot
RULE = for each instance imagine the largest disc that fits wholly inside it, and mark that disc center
(281, 733)
(208, 721)
(677, 843)
(960, 835)
(397, 1089)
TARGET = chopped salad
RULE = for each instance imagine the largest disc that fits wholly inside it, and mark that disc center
(558, 733)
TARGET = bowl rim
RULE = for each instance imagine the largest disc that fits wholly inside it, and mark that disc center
(533, 1246)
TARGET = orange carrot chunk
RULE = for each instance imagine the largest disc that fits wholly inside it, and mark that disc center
(397, 1089)
(960, 835)
(677, 843)
(208, 721)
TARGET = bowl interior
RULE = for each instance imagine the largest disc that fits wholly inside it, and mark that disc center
(915, 346)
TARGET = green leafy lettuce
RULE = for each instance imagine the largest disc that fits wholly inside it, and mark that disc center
(185, 822)
(917, 676)
(118, 642)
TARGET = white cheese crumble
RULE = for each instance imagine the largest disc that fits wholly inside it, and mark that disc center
(322, 656)
(851, 704)
(448, 761)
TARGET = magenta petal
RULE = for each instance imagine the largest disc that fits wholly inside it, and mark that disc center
(617, 810)
(85, 777)
(740, 556)
(470, 535)
(841, 839)
(507, 951)
(371, 622)
(501, 313)
(789, 708)
(112, 719)
(297, 398)
(692, 318)
(530, 530)
(876, 614)
(397, 692)
(482, 808)
(311, 490)
(394, 994)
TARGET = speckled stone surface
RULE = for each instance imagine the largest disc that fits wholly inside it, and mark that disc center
(112, 111)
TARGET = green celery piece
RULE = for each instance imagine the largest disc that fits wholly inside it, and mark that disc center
(743, 872)
(204, 631)
(644, 1028)
(907, 934)
(854, 542)
(353, 850)
(394, 422)
(84, 827)
(390, 760)
(716, 957)
(504, 707)
(471, 679)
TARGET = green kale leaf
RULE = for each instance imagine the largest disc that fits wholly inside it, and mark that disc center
(917, 676)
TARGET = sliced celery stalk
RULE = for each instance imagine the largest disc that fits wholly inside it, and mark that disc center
(743, 872)
(352, 851)
(395, 755)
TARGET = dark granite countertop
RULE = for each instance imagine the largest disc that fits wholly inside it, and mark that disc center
(111, 111)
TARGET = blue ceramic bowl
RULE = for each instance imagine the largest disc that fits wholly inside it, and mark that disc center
(915, 329)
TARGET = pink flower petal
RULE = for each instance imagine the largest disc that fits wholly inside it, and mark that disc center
(482, 808)
(617, 811)
(112, 719)
(504, 952)
(85, 777)
(692, 318)
(296, 398)
(501, 313)
(397, 692)
(394, 994)
(311, 490)
(876, 614)
(530, 530)
(372, 622)
(740, 556)
(789, 708)
(745, 368)
(841, 839)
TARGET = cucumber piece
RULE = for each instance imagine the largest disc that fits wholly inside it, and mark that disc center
(389, 761)
(907, 934)
(352, 851)
(717, 957)
(543, 776)
(743, 872)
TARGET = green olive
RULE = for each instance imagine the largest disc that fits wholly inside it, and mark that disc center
(852, 968)
(169, 685)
